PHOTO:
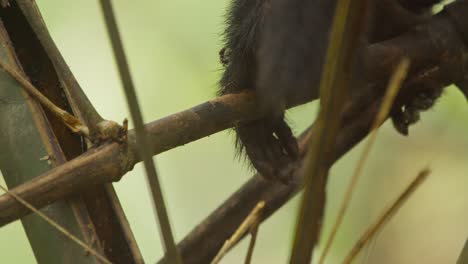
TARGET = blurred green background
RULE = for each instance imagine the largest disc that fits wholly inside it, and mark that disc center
(173, 50)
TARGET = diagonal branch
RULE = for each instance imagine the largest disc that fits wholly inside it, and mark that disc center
(79, 102)
(69, 120)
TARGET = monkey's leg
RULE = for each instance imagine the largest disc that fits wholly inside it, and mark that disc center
(268, 142)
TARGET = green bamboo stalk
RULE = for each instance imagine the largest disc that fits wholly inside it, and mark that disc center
(30, 148)
(100, 202)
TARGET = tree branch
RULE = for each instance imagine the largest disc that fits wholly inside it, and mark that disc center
(110, 162)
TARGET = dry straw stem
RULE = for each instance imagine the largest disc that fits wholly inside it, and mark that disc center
(387, 215)
(69, 120)
(392, 90)
(251, 221)
(57, 226)
(253, 240)
(345, 36)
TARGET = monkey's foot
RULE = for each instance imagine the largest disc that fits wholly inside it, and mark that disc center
(403, 117)
(409, 114)
(271, 147)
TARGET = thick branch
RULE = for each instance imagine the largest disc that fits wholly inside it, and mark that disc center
(109, 162)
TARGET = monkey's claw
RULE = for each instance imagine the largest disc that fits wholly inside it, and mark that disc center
(271, 147)
(410, 113)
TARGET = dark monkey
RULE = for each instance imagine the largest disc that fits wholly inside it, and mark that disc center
(277, 48)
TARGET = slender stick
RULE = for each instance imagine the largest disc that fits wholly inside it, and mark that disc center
(61, 229)
(250, 221)
(141, 136)
(253, 239)
(68, 119)
(375, 227)
(392, 90)
(79, 102)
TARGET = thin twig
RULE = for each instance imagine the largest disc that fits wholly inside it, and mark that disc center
(103, 130)
(56, 226)
(392, 90)
(386, 215)
(68, 119)
(250, 221)
(253, 239)
(141, 136)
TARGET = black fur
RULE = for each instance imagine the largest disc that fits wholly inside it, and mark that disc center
(276, 48)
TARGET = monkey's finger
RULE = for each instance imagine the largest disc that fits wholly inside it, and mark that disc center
(287, 139)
